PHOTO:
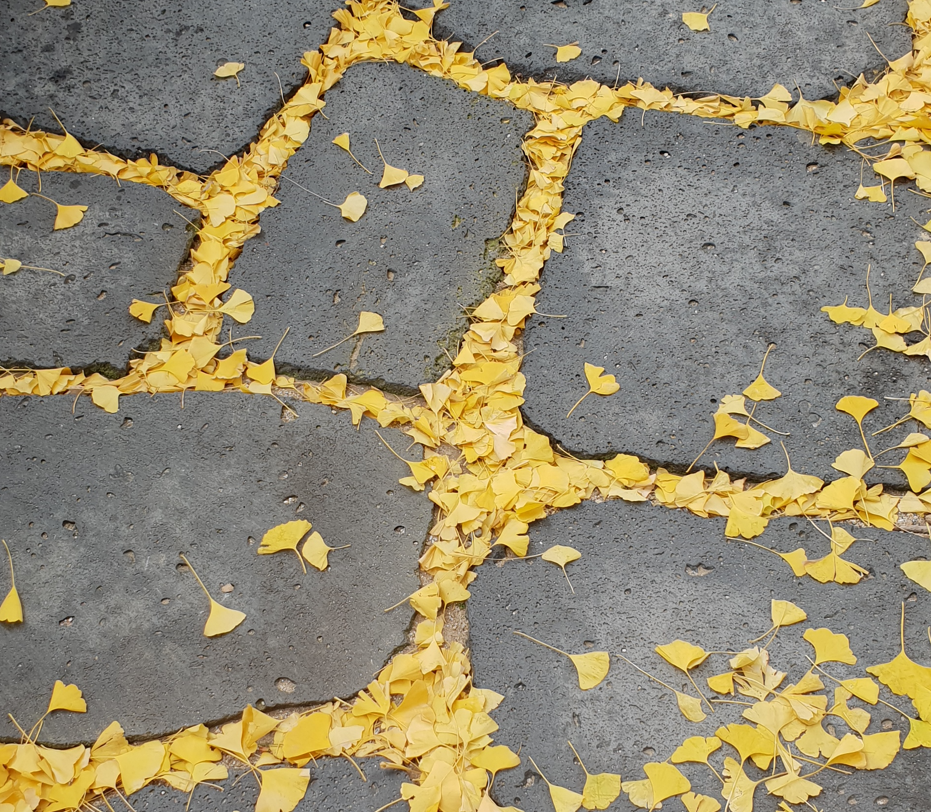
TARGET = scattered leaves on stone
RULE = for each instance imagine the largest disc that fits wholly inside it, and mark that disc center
(221, 619)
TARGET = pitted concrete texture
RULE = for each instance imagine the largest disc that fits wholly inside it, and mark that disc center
(335, 786)
(137, 78)
(128, 246)
(695, 247)
(417, 258)
(648, 576)
(97, 508)
(752, 44)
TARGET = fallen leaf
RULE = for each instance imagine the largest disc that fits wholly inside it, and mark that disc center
(229, 70)
(566, 53)
(10, 192)
(919, 572)
(592, 667)
(66, 698)
(874, 194)
(392, 175)
(830, 647)
(666, 781)
(286, 537)
(240, 306)
(902, 675)
(68, 216)
(597, 383)
(697, 21)
(10, 266)
(106, 397)
(560, 556)
(696, 749)
(368, 323)
(564, 800)
(143, 310)
(342, 141)
(282, 789)
(353, 207)
(495, 759)
(316, 550)
(699, 803)
(761, 389)
(221, 619)
(11, 610)
(413, 181)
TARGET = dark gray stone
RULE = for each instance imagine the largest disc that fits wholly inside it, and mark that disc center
(752, 44)
(335, 786)
(97, 508)
(649, 576)
(128, 246)
(696, 246)
(417, 258)
(138, 79)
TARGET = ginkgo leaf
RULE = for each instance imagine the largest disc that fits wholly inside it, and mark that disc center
(919, 572)
(902, 675)
(857, 407)
(786, 613)
(494, 759)
(666, 781)
(342, 141)
(682, 655)
(368, 323)
(315, 551)
(143, 310)
(392, 175)
(10, 266)
(282, 789)
(874, 194)
(690, 707)
(564, 800)
(413, 181)
(592, 667)
(566, 53)
(353, 207)
(853, 462)
(792, 787)
(761, 389)
(66, 698)
(600, 790)
(697, 21)
(106, 397)
(221, 619)
(830, 647)
(696, 749)
(11, 610)
(699, 803)
(286, 537)
(11, 192)
(68, 216)
(240, 306)
(597, 383)
(560, 556)
(229, 70)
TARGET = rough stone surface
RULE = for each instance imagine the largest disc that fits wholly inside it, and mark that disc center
(417, 258)
(128, 246)
(97, 508)
(335, 786)
(751, 46)
(649, 576)
(137, 78)
(696, 246)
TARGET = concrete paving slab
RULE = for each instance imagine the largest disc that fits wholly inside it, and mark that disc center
(648, 576)
(335, 786)
(97, 508)
(751, 45)
(139, 79)
(417, 258)
(128, 246)
(696, 246)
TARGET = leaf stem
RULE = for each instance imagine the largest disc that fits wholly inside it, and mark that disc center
(578, 402)
(545, 645)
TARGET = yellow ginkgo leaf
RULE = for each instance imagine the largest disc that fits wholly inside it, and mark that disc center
(830, 647)
(697, 21)
(495, 759)
(143, 310)
(682, 655)
(592, 667)
(566, 53)
(315, 551)
(696, 749)
(230, 70)
(11, 610)
(10, 192)
(392, 175)
(853, 462)
(699, 803)
(66, 698)
(240, 306)
(368, 323)
(413, 181)
(919, 572)
(10, 266)
(690, 707)
(597, 383)
(342, 141)
(666, 781)
(353, 207)
(761, 389)
(786, 613)
(600, 790)
(106, 397)
(874, 194)
(564, 800)
(282, 789)
(560, 555)
(68, 216)
(56, 4)
(221, 619)
(856, 406)
(285, 537)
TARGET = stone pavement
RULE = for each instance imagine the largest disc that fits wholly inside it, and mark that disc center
(695, 246)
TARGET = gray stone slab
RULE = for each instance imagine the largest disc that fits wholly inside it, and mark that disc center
(335, 786)
(128, 246)
(637, 586)
(696, 246)
(97, 508)
(752, 44)
(138, 79)
(417, 258)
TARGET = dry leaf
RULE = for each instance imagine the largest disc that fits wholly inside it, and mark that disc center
(11, 610)
(221, 619)
(342, 141)
(10, 266)
(353, 207)
(566, 53)
(413, 181)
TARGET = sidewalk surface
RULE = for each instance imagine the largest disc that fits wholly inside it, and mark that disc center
(215, 359)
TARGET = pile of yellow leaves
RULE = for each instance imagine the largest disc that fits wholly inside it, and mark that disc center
(422, 712)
